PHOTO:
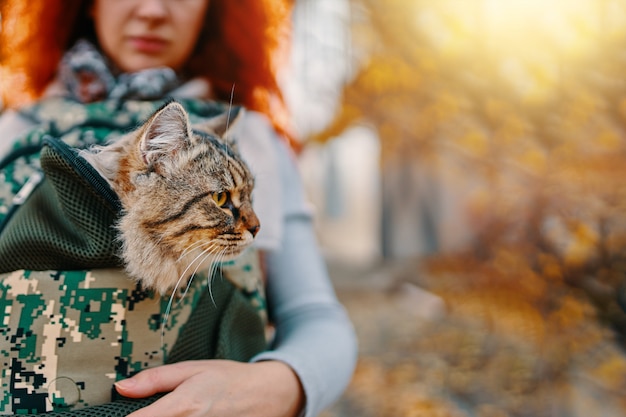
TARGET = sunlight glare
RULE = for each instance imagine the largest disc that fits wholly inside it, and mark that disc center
(566, 27)
(526, 44)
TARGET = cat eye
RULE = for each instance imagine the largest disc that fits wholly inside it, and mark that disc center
(220, 198)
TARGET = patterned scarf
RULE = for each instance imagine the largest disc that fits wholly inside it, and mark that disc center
(87, 75)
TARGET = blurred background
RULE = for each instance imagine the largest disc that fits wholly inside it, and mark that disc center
(465, 160)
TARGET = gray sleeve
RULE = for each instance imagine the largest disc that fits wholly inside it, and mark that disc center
(313, 332)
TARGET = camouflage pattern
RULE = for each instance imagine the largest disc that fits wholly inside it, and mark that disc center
(67, 336)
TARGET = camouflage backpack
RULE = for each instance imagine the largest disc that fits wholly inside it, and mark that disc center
(71, 322)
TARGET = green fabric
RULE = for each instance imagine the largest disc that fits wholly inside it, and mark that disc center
(67, 222)
(224, 325)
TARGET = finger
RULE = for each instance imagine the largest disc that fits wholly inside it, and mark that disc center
(160, 379)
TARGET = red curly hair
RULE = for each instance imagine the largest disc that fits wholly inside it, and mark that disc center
(242, 43)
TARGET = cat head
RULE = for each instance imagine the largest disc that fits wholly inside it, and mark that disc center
(186, 196)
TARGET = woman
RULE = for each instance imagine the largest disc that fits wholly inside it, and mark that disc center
(217, 50)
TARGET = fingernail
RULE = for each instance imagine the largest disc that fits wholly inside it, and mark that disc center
(125, 384)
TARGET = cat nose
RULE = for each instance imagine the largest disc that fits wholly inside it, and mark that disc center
(250, 221)
(254, 229)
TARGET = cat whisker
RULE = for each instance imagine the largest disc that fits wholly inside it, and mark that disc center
(207, 252)
(168, 309)
(214, 265)
(230, 105)
(209, 278)
(200, 257)
(191, 247)
(218, 261)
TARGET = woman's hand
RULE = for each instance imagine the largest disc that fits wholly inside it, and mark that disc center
(217, 388)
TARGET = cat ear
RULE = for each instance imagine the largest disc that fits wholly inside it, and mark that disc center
(223, 123)
(167, 131)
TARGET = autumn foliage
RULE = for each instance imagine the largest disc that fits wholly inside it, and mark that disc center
(529, 130)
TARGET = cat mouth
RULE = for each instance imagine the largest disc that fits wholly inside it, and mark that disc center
(221, 252)
(232, 251)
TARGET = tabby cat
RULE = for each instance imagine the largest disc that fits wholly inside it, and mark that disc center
(185, 193)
